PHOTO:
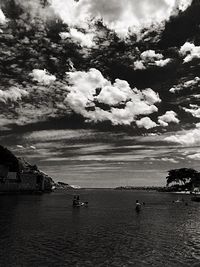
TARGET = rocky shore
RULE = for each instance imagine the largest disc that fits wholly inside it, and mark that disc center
(19, 176)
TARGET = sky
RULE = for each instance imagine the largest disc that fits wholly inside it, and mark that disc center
(101, 93)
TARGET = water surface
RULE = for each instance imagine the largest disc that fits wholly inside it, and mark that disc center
(45, 230)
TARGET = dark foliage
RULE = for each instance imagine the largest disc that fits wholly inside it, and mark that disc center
(184, 177)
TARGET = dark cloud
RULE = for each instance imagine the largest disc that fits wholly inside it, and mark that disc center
(183, 27)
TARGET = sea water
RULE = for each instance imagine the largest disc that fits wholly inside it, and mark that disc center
(45, 230)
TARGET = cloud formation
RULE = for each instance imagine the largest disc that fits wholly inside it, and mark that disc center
(169, 116)
(42, 76)
(194, 110)
(150, 58)
(97, 99)
(169, 160)
(2, 17)
(190, 84)
(150, 55)
(187, 138)
(84, 39)
(195, 156)
(13, 94)
(117, 15)
(146, 123)
(189, 51)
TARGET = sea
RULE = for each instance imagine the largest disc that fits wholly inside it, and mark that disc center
(45, 230)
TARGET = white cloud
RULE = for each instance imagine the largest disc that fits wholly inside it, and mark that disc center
(194, 110)
(84, 39)
(2, 17)
(185, 85)
(189, 51)
(82, 98)
(13, 94)
(169, 116)
(188, 138)
(150, 58)
(183, 4)
(42, 76)
(169, 160)
(114, 94)
(117, 15)
(191, 82)
(146, 123)
(150, 55)
(162, 62)
(195, 156)
(151, 96)
(139, 65)
(58, 135)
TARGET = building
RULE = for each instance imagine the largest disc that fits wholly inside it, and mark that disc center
(19, 176)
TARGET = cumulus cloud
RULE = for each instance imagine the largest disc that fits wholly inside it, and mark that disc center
(150, 96)
(189, 51)
(150, 58)
(146, 123)
(185, 85)
(2, 17)
(42, 76)
(139, 65)
(89, 92)
(149, 55)
(169, 116)
(183, 4)
(84, 39)
(13, 94)
(117, 15)
(114, 94)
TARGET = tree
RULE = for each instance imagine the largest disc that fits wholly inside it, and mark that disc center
(182, 176)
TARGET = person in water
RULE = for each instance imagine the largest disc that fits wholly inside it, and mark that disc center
(137, 206)
(75, 201)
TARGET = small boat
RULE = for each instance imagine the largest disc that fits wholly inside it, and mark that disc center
(178, 201)
(80, 204)
(77, 203)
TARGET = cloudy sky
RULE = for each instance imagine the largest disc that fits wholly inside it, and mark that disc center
(101, 93)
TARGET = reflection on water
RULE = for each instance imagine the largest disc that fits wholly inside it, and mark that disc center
(46, 231)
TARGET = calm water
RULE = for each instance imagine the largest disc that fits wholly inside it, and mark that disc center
(46, 231)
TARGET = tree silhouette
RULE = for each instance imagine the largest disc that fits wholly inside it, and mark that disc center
(183, 176)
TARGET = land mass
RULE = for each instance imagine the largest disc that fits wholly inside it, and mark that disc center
(19, 176)
(145, 188)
